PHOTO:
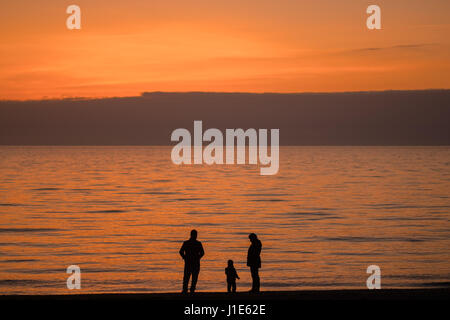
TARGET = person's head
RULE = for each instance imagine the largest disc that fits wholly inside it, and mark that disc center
(252, 237)
(194, 234)
(230, 263)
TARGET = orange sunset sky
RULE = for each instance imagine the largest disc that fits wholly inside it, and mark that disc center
(127, 47)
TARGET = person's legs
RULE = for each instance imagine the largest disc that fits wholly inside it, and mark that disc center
(233, 286)
(187, 275)
(252, 272)
(228, 286)
(195, 272)
(255, 279)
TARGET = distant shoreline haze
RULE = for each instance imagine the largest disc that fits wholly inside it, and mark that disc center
(312, 119)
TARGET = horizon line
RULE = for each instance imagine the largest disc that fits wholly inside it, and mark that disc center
(144, 93)
(281, 145)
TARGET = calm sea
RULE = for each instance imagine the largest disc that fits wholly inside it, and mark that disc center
(121, 214)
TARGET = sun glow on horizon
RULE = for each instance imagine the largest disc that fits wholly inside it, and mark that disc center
(125, 48)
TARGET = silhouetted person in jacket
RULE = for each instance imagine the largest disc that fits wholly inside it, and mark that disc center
(232, 275)
(254, 260)
(191, 251)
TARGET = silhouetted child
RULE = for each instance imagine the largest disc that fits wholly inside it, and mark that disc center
(231, 273)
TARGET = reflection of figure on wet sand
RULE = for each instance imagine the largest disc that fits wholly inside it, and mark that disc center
(254, 260)
(191, 252)
(231, 273)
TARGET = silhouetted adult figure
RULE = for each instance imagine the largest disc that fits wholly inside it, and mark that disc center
(191, 251)
(254, 260)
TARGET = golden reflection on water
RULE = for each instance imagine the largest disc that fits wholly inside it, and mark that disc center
(121, 214)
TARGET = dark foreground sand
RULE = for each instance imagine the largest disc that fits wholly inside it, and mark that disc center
(383, 294)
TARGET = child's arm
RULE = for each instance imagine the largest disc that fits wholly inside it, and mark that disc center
(237, 276)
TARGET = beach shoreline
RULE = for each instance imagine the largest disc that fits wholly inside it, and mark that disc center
(359, 294)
